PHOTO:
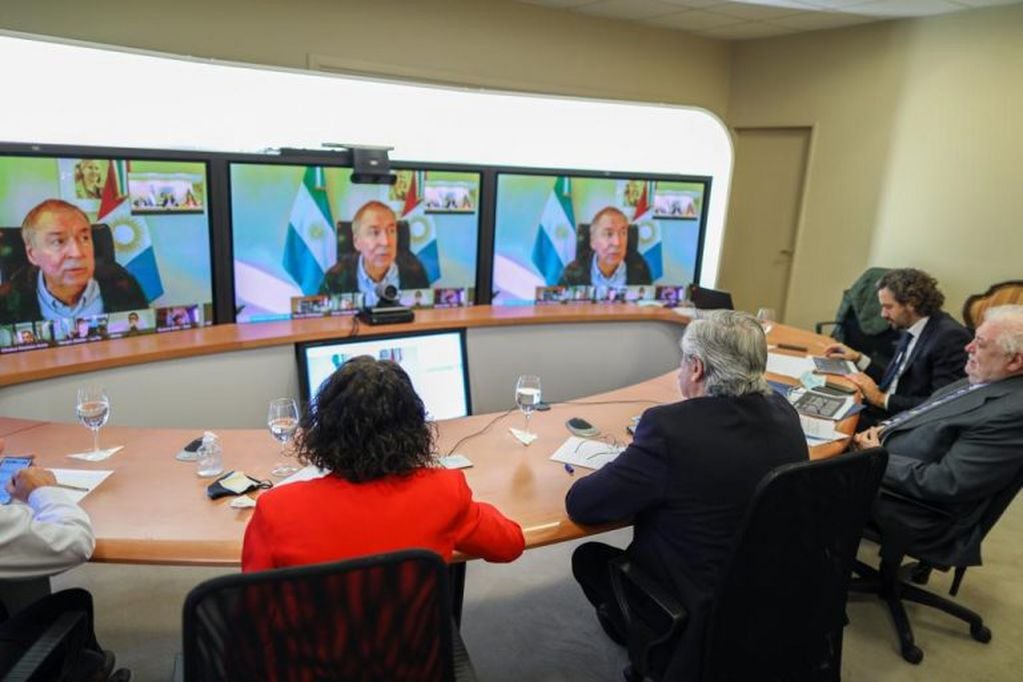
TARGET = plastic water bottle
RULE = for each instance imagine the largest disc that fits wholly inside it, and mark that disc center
(210, 461)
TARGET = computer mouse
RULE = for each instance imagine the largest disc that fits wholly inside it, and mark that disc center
(581, 427)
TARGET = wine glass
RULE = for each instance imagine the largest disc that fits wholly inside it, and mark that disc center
(527, 395)
(766, 317)
(93, 410)
(282, 420)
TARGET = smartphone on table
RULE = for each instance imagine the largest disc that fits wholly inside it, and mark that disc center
(8, 467)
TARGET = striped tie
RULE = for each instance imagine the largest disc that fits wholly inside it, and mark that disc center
(892, 371)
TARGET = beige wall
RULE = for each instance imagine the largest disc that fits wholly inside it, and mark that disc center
(495, 43)
(915, 125)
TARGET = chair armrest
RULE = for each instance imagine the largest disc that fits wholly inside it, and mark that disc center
(818, 327)
(643, 635)
(59, 633)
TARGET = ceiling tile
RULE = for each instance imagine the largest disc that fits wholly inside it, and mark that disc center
(814, 21)
(903, 8)
(745, 10)
(749, 29)
(628, 9)
(693, 20)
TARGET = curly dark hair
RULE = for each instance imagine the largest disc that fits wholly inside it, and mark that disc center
(366, 423)
(912, 286)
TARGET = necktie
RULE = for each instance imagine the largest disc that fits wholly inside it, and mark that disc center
(892, 371)
(924, 407)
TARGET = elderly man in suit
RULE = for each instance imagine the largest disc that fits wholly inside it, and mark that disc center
(689, 475)
(957, 449)
(929, 354)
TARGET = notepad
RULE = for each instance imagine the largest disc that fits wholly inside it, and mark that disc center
(80, 478)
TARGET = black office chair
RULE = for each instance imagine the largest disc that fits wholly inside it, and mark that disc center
(779, 610)
(710, 299)
(12, 249)
(891, 581)
(858, 322)
(55, 653)
(385, 617)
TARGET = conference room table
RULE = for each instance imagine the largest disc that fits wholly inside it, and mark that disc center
(153, 509)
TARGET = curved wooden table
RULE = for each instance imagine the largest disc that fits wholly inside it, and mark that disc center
(153, 509)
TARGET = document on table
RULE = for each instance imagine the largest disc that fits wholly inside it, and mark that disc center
(80, 478)
(789, 365)
(583, 452)
(819, 431)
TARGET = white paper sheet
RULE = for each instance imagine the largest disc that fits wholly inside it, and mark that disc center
(80, 478)
(583, 452)
(306, 473)
(789, 365)
(819, 431)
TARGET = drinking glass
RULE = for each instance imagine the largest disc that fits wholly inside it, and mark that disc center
(527, 395)
(282, 420)
(766, 317)
(93, 410)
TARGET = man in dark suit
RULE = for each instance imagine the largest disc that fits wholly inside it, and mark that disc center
(376, 259)
(609, 262)
(930, 353)
(690, 472)
(956, 450)
(62, 278)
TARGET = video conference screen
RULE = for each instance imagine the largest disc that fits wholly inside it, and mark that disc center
(570, 238)
(308, 242)
(98, 248)
(435, 362)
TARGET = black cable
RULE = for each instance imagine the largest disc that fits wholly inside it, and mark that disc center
(481, 431)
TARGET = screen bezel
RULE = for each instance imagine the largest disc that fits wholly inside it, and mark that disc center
(495, 172)
(303, 369)
(214, 205)
(342, 160)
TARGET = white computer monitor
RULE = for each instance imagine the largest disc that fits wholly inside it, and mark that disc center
(435, 361)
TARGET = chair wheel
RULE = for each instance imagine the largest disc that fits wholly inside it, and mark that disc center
(912, 654)
(981, 633)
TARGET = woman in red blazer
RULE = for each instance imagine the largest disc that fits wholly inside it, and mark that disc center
(385, 491)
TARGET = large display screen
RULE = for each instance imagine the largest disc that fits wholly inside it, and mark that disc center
(96, 248)
(435, 362)
(308, 242)
(568, 238)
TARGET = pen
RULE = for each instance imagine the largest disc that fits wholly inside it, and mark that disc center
(71, 487)
(569, 468)
(789, 346)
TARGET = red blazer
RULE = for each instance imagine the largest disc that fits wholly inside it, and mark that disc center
(329, 518)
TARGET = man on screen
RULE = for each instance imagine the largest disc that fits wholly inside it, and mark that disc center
(610, 264)
(376, 259)
(62, 279)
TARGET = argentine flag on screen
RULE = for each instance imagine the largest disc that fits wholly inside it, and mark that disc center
(555, 239)
(132, 245)
(310, 248)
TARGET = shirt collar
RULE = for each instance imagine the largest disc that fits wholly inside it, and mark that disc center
(369, 288)
(597, 278)
(917, 327)
(90, 303)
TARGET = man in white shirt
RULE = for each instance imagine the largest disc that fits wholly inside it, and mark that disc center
(43, 532)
